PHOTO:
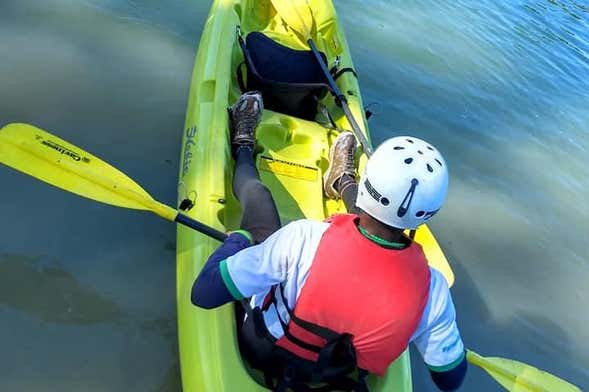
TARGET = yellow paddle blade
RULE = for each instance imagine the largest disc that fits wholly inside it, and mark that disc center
(297, 15)
(515, 376)
(59, 163)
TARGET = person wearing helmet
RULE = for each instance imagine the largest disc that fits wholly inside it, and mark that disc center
(323, 299)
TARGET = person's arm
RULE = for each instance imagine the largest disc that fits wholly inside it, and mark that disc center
(450, 379)
(209, 289)
(229, 276)
(438, 339)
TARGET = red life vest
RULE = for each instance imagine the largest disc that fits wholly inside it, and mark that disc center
(357, 287)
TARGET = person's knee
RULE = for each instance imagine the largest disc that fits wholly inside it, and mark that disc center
(260, 216)
(256, 192)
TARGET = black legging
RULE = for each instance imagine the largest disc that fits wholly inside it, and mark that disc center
(349, 192)
(260, 216)
(259, 213)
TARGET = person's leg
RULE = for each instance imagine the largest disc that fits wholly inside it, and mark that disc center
(255, 342)
(348, 190)
(260, 216)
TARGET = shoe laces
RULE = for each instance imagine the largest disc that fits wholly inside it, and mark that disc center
(246, 123)
(350, 167)
(247, 119)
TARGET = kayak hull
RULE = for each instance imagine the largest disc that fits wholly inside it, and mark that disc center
(293, 155)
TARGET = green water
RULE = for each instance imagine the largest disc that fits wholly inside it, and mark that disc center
(87, 296)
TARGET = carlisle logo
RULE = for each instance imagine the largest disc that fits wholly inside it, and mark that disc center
(63, 150)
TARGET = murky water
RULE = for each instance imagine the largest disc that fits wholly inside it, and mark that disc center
(87, 298)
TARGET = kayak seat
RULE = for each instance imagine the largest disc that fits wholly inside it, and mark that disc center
(291, 81)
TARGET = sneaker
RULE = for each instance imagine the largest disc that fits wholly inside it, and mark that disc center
(341, 161)
(244, 117)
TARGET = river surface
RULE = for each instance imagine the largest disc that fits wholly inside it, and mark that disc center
(87, 291)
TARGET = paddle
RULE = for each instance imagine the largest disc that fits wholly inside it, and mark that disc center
(519, 377)
(59, 163)
(299, 16)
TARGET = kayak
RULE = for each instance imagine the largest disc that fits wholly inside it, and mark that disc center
(292, 158)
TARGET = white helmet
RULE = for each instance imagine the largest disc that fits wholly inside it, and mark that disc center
(404, 183)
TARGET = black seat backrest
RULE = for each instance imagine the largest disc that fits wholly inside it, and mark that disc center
(291, 81)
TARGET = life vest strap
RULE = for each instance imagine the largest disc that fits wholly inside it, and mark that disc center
(335, 362)
(315, 329)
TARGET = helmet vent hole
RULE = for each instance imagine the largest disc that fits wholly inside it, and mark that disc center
(409, 140)
(430, 148)
(399, 148)
(420, 152)
(429, 168)
(408, 161)
(439, 163)
(420, 214)
(385, 202)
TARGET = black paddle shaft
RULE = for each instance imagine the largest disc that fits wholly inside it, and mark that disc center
(340, 99)
(200, 227)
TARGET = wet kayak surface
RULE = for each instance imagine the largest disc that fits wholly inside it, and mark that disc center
(87, 291)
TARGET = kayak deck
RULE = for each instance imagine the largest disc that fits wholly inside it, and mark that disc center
(292, 157)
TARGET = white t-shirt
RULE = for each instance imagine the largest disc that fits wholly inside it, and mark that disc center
(286, 257)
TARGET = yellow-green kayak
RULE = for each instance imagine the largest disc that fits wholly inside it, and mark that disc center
(293, 157)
